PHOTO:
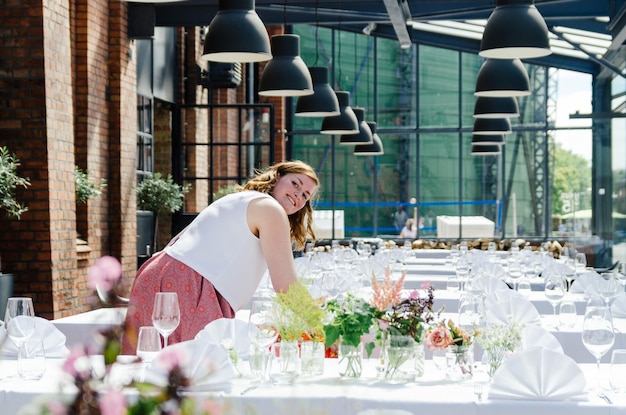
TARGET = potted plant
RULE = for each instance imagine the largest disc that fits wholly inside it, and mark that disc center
(9, 181)
(160, 195)
(85, 188)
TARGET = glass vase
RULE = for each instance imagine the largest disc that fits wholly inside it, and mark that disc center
(312, 354)
(420, 358)
(495, 356)
(400, 364)
(284, 364)
(350, 363)
(459, 362)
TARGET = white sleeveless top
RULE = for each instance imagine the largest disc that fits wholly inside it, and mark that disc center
(219, 246)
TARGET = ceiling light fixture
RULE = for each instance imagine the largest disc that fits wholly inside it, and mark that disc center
(285, 75)
(492, 126)
(496, 107)
(515, 29)
(375, 148)
(502, 78)
(478, 139)
(236, 34)
(364, 136)
(323, 102)
(486, 150)
(344, 123)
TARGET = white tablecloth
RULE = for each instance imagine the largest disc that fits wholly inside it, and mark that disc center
(82, 328)
(331, 395)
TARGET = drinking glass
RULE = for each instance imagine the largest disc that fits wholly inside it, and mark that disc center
(148, 343)
(570, 271)
(515, 272)
(567, 312)
(554, 290)
(19, 319)
(597, 334)
(262, 330)
(462, 269)
(31, 360)
(617, 374)
(607, 286)
(166, 314)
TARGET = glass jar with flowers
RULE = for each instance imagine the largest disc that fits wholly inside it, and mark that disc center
(347, 320)
(401, 325)
(458, 346)
(299, 321)
(499, 342)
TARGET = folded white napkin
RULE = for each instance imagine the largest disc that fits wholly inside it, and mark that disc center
(53, 340)
(227, 332)
(537, 336)
(539, 374)
(206, 364)
(491, 269)
(586, 283)
(513, 307)
(618, 308)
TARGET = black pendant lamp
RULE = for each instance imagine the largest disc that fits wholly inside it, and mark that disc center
(236, 34)
(515, 29)
(323, 102)
(496, 107)
(364, 136)
(486, 150)
(344, 123)
(478, 139)
(285, 75)
(502, 78)
(492, 126)
(375, 148)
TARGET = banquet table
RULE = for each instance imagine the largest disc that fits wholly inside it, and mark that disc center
(329, 394)
(80, 329)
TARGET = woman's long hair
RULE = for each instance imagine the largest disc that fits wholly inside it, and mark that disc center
(301, 222)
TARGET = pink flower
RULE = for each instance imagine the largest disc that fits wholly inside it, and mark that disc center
(172, 357)
(211, 407)
(69, 366)
(438, 338)
(104, 273)
(414, 295)
(56, 408)
(112, 403)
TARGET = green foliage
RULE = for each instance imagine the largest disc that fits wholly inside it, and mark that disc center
(160, 195)
(223, 191)
(351, 318)
(9, 180)
(85, 188)
(298, 314)
(571, 175)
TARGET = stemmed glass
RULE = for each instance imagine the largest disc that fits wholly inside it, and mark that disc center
(607, 287)
(554, 290)
(515, 272)
(462, 270)
(19, 319)
(262, 329)
(166, 314)
(597, 334)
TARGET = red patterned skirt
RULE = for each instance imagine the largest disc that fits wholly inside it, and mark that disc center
(199, 302)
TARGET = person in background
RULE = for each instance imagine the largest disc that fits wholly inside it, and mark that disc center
(409, 230)
(216, 263)
(399, 217)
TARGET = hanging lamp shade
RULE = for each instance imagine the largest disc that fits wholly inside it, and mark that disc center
(496, 107)
(344, 123)
(364, 136)
(492, 126)
(486, 150)
(285, 75)
(502, 78)
(375, 148)
(478, 139)
(236, 34)
(515, 29)
(323, 102)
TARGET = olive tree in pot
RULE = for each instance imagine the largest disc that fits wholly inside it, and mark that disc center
(160, 195)
(9, 181)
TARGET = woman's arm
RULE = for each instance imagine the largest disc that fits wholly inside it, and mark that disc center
(269, 222)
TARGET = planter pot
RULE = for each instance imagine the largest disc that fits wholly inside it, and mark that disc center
(6, 291)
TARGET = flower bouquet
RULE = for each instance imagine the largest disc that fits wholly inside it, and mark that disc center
(347, 319)
(457, 343)
(401, 325)
(499, 341)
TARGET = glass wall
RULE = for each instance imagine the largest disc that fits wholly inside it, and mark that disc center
(618, 163)
(422, 99)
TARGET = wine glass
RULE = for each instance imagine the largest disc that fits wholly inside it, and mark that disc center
(19, 320)
(166, 314)
(148, 343)
(462, 269)
(597, 334)
(262, 329)
(607, 287)
(571, 271)
(515, 272)
(554, 290)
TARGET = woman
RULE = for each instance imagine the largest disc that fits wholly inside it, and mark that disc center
(409, 230)
(217, 262)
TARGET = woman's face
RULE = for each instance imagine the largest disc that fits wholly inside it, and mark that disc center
(293, 190)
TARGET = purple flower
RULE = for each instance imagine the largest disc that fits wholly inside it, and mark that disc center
(104, 273)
